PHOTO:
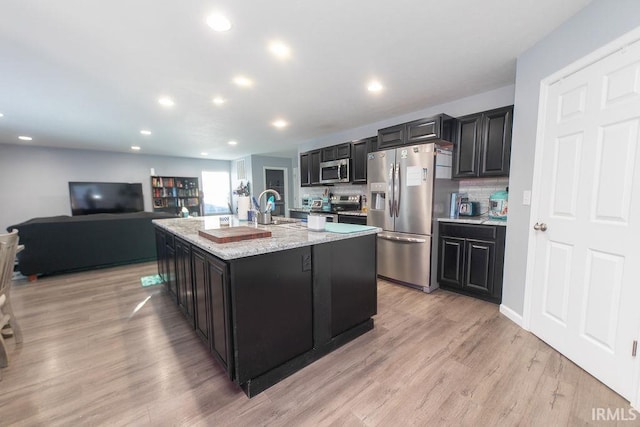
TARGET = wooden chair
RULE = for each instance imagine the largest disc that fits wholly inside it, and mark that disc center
(8, 249)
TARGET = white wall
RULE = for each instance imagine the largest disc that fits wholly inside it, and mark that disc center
(35, 180)
(599, 23)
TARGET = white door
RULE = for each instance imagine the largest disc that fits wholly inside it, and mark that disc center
(585, 298)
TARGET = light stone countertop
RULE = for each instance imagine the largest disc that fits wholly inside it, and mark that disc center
(482, 220)
(284, 236)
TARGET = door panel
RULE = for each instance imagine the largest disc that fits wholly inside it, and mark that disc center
(586, 263)
(415, 189)
(379, 188)
(406, 261)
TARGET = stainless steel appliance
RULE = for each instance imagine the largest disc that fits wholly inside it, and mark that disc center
(334, 171)
(345, 202)
(405, 199)
(469, 208)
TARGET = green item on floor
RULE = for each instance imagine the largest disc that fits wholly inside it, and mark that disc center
(151, 280)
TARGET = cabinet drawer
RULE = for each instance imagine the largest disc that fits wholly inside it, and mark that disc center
(469, 231)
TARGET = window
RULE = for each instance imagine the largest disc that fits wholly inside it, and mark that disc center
(216, 188)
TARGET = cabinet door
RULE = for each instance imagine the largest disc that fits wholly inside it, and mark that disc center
(467, 146)
(305, 170)
(423, 130)
(161, 252)
(170, 268)
(479, 266)
(495, 153)
(391, 137)
(183, 279)
(314, 176)
(219, 290)
(343, 151)
(201, 295)
(359, 162)
(328, 154)
(451, 261)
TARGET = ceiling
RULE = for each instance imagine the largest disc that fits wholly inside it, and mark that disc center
(88, 73)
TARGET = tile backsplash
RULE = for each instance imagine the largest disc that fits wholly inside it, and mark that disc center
(338, 189)
(479, 189)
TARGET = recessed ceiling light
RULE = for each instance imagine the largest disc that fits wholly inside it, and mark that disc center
(1, 115)
(204, 153)
(25, 138)
(218, 100)
(279, 49)
(232, 142)
(165, 101)
(243, 81)
(218, 22)
(280, 123)
(135, 148)
(374, 86)
(145, 132)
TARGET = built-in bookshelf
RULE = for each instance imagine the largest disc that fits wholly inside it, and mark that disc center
(171, 194)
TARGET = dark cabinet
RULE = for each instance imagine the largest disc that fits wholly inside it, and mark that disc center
(483, 144)
(211, 289)
(360, 151)
(392, 136)
(437, 128)
(201, 295)
(170, 266)
(471, 259)
(305, 169)
(219, 288)
(314, 167)
(310, 168)
(184, 283)
(336, 152)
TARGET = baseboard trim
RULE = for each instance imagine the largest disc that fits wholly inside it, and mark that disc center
(512, 315)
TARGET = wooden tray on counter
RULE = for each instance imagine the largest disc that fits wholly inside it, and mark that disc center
(233, 234)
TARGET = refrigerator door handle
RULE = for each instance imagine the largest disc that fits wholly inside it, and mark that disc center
(397, 190)
(401, 239)
(391, 181)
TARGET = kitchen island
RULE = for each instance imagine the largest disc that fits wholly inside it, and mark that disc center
(267, 307)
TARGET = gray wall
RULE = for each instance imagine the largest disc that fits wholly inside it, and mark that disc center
(258, 163)
(35, 180)
(599, 23)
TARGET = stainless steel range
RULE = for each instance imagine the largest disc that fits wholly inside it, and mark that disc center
(348, 202)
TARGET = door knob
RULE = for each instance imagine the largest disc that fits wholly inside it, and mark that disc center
(542, 226)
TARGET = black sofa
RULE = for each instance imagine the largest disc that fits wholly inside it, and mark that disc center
(67, 243)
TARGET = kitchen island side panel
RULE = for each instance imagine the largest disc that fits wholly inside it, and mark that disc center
(272, 310)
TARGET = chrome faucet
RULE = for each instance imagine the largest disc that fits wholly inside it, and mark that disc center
(268, 190)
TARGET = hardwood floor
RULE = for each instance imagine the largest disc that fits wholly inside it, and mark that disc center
(100, 349)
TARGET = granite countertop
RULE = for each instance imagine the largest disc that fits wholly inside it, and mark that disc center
(284, 236)
(482, 220)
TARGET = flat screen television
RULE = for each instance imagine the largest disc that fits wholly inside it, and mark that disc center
(105, 197)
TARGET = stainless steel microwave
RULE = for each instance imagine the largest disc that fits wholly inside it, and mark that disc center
(334, 171)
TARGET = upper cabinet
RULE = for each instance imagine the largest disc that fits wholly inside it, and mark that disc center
(359, 152)
(336, 152)
(438, 128)
(483, 144)
(310, 168)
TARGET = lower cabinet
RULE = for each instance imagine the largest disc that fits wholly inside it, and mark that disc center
(471, 259)
(184, 284)
(266, 316)
(211, 294)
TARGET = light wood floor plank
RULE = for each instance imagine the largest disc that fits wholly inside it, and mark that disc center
(100, 349)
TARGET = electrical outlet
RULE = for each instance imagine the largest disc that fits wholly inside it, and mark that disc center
(526, 197)
(306, 262)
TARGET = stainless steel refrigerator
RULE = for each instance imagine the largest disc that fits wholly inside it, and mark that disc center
(405, 199)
